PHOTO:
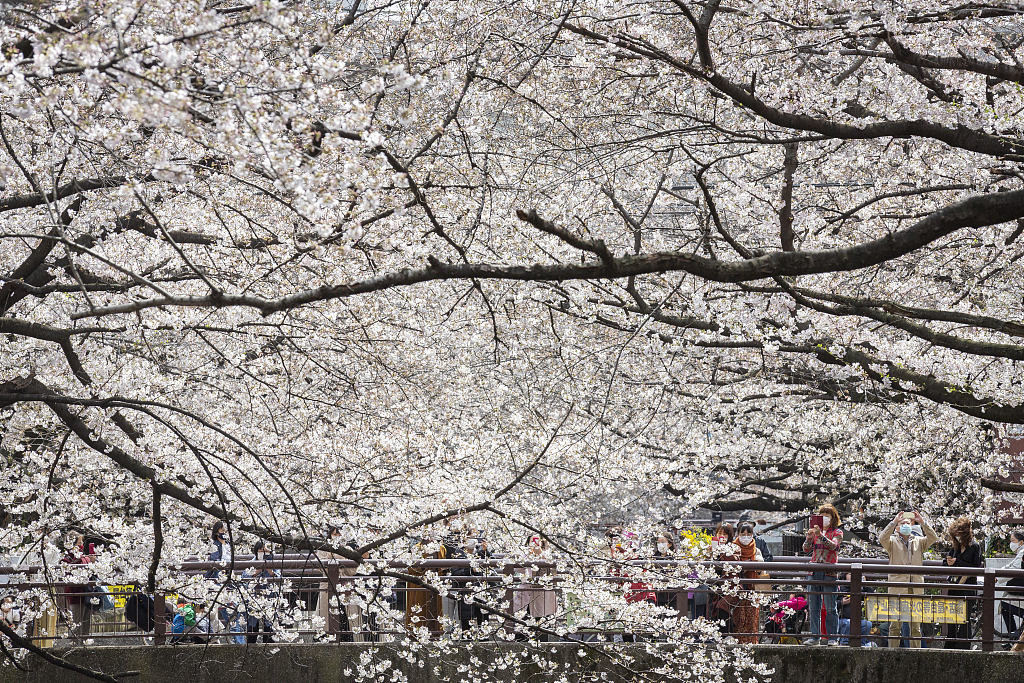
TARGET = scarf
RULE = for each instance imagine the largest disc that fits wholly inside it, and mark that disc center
(748, 553)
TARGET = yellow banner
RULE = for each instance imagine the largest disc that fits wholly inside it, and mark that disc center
(120, 594)
(928, 609)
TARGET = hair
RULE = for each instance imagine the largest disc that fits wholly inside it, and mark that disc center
(218, 526)
(726, 530)
(1018, 534)
(745, 526)
(258, 546)
(830, 510)
(960, 530)
(330, 531)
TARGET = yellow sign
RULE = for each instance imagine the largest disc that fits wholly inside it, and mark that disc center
(120, 594)
(928, 609)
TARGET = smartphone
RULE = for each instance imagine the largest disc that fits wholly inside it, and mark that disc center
(818, 521)
(908, 515)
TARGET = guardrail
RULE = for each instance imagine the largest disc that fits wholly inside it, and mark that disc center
(868, 577)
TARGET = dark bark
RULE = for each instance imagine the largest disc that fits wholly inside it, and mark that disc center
(976, 211)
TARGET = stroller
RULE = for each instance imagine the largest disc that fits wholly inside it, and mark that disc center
(785, 628)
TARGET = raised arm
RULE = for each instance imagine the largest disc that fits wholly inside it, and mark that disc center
(885, 535)
(930, 537)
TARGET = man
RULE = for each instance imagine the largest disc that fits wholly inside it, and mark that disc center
(906, 549)
(844, 615)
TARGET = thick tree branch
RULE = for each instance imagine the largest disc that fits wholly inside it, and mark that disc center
(974, 211)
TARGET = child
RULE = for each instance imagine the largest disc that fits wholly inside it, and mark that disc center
(184, 618)
(785, 615)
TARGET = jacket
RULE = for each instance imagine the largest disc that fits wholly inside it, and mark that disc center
(762, 545)
(909, 553)
(1015, 586)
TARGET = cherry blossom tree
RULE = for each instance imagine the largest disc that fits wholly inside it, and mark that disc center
(385, 264)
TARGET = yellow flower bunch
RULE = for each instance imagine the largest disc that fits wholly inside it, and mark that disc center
(694, 544)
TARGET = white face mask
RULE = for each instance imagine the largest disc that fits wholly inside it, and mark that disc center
(745, 540)
(663, 547)
(1014, 546)
(826, 522)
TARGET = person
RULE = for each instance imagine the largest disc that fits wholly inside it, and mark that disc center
(352, 611)
(665, 549)
(220, 550)
(421, 605)
(537, 601)
(964, 552)
(746, 615)
(453, 550)
(474, 546)
(264, 595)
(722, 605)
(10, 616)
(904, 548)
(823, 545)
(202, 632)
(788, 616)
(75, 597)
(762, 544)
(1014, 588)
(844, 613)
(184, 619)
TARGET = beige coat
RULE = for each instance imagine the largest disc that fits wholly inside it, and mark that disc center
(907, 553)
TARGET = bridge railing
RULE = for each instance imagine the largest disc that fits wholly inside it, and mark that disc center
(685, 588)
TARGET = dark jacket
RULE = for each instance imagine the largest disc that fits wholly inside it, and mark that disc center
(762, 545)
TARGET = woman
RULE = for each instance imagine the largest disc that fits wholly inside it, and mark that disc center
(1014, 587)
(75, 596)
(746, 615)
(538, 601)
(220, 550)
(823, 545)
(964, 553)
(722, 606)
(422, 608)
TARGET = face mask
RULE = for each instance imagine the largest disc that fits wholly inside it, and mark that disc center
(663, 547)
(1014, 546)
(745, 540)
(826, 522)
(905, 529)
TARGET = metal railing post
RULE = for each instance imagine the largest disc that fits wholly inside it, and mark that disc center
(682, 602)
(856, 602)
(988, 610)
(333, 606)
(509, 570)
(159, 619)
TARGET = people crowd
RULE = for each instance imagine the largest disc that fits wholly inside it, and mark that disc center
(739, 597)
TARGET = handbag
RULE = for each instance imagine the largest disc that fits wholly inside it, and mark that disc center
(763, 587)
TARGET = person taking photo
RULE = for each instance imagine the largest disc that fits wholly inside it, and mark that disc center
(904, 548)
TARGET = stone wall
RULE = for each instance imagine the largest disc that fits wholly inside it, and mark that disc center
(336, 663)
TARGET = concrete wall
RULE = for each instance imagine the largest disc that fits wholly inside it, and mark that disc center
(335, 663)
